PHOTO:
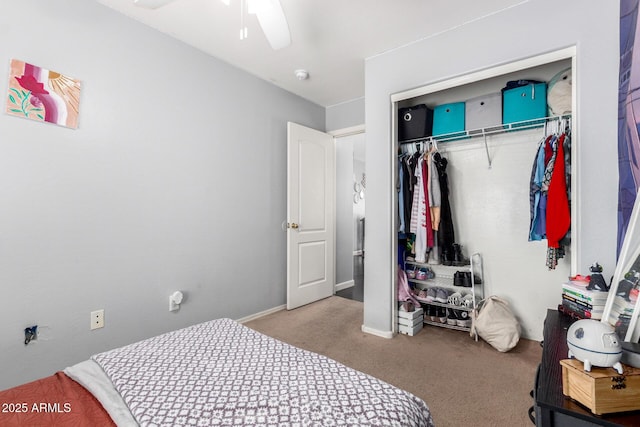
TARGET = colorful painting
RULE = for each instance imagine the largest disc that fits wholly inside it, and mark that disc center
(43, 95)
(628, 116)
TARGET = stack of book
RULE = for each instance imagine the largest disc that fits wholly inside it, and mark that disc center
(583, 303)
(620, 315)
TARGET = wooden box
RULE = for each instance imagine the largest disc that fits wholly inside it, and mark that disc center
(410, 330)
(602, 390)
(403, 321)
(415, 314)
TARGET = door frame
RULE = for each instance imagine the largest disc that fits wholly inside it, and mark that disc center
(337, 134)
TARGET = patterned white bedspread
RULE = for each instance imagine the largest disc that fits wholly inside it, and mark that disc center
(221, 373)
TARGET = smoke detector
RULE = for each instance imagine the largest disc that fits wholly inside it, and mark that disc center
(302, 74)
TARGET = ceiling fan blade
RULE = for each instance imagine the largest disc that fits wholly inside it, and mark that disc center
(274, 24)
(151, 4)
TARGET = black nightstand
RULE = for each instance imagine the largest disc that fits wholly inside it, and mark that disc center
(552, 408)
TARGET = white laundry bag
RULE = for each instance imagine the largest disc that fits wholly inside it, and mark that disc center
(495, 323)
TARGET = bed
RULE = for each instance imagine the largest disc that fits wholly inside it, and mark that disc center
(214, 373)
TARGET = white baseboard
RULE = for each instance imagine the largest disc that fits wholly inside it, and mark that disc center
(383, 334)
(345, 285)
(261, 314)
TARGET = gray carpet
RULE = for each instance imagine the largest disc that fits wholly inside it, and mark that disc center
(464, 382)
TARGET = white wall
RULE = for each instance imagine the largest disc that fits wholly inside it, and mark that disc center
(526, 30)
(175, 179)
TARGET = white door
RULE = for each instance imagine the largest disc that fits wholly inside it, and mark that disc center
(310, 215)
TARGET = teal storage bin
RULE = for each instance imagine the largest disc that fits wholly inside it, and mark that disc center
(448, 119)
(524, 103)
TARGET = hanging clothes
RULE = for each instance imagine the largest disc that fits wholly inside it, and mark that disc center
(446, 235)
(400, 189)
(535, 192)
(423, 205)
(435, 193)
(419, 214)
(426, 184)
(558, 215)
(549, 195)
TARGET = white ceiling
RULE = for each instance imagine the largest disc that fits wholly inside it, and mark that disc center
(330, 38)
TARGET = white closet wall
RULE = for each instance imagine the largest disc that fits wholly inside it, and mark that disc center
(490, 209)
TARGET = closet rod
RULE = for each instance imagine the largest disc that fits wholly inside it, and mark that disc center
(491, 130)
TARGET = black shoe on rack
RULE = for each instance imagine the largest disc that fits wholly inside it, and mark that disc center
(462, 278)
(458, 259)
(452, 318)
(442, 314)
(447, 256)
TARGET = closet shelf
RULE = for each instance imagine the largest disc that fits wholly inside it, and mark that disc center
(487, 131)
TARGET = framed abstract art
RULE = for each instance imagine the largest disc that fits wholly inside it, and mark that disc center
(44, 95)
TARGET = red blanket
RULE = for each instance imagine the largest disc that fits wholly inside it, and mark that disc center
(52, 401)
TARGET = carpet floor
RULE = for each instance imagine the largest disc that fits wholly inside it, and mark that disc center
(464, 382)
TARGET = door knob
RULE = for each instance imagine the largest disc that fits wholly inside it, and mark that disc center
(294, 225)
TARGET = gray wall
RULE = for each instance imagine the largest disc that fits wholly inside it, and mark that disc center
(345, 115)
(175, 179)
(526, 30)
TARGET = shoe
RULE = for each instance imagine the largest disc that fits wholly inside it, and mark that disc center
(441, 315)
(462, 318)
(424, 273)
(429, 274)
(411, 273)
(442, 295)
(431, 294)
(447, 256)
(407, 306)
(452, 318)
(462, 279)
(422, 295)
(458, 259)
(467, 301)
(458, 278)
(432, 313)
(455, 299)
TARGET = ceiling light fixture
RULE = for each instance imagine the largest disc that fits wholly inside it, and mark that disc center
(269, 13)
(301, 74)
(271, 19)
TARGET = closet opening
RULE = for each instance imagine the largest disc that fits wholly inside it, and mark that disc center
(489, 173)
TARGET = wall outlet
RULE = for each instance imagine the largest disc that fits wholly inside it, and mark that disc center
(97, 319)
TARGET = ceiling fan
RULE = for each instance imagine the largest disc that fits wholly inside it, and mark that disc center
(269, 13)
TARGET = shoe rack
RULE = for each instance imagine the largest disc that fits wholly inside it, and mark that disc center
(444, 277)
